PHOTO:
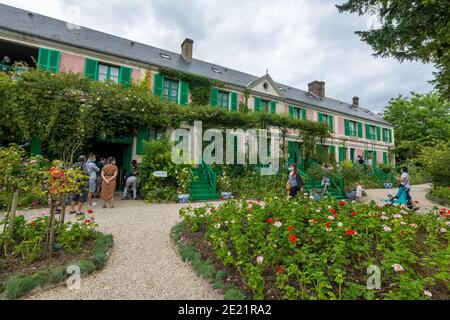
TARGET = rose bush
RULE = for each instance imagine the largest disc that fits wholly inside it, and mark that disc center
(322, 250)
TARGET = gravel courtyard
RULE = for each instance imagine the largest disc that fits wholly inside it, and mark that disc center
(144, 263)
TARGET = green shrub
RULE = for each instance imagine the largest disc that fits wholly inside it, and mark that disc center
(232, 293)
(57, 275)
(87, 266)
(441, 194)
(218, 282)
(436, 163)
(18, 286)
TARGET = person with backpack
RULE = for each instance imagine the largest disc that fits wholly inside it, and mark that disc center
(78, 200)
(131, 181)
(295, 182)
(91, 170)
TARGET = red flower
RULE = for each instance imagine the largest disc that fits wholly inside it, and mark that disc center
(222, 198)
(87, 221)
(415, 201)
(342, 203)
(270, 220)
(90, 211)
(33, 223)
(354, 213)
(279, 269)
(335, 215)
(328, 225)
(293, 238)
(290, 228)
(350, 232)
(332, 211)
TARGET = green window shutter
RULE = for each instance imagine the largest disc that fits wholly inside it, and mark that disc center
(347, 127)
(291, 112)
(234, 101)
(91, 69)
(125, 76)
(49, 59)
(303, 114)
(214, 96)
(53, 60)
(390, 136)
(330, 119)
(43, 58)
(374, 158)
(360, 132)
(320, 117)
(378, 133)
(273, 107)
(257, 104)
(158, 86)
(184, 93)
(368, 132)
(35, 147)
(332, 151)
(385, 158)
(291, 151)
(342, 154)
(142, 137)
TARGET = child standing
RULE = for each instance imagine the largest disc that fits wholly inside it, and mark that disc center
(359, 191)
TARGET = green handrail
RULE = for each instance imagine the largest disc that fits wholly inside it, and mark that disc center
(209, 176)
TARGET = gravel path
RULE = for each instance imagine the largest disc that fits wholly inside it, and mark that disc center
(144, 263)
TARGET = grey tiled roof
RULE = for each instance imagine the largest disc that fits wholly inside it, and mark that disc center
(19, 20)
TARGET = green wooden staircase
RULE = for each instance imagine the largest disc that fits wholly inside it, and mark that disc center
(204, 183)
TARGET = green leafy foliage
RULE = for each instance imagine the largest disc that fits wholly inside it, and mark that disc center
(321, 250)
(421, 120)
(436, 163)
(410, 30)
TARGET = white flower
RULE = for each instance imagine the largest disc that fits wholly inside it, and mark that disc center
(305, 194)
(443, 230)
(340, 224)
(398, 216)
(353, 201)
(397, 267)
(413, 225)
(229, 253)
(318, 210)
(403, 223)
(384, 218)
(329, 207)
(278, 224)
(427, 293)
(328, 229)
(311, 197)
(387, 229)
(448, 223)
(217, 226)
(331, 218)
(226, 222)
(259, 259)
(383, 213)
(249, 216)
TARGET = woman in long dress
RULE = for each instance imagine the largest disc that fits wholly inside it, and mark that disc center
(109, 175)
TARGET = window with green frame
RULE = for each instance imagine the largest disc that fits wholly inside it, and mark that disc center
(264, 106)
(223, 99)
(326, 118)
(353, 128)
(108, 73)
(170, 91)
(370, 132)
(387, 135)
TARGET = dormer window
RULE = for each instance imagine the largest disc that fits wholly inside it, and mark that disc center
(165, 56)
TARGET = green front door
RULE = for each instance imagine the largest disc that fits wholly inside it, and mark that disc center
(352, 155)
(294, 153)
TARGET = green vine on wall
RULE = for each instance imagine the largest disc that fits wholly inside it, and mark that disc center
(199, 86)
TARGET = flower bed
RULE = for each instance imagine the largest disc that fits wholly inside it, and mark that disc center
(26, 267)
(322, 250)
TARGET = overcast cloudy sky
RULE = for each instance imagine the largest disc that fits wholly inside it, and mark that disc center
(297, 40)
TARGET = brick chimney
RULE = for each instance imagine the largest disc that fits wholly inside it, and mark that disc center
(356, 101)
(317, 88)
(186, 49)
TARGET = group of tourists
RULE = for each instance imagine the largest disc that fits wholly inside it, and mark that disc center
(102, 176)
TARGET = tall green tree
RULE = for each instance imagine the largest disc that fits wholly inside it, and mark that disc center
(409, 30)
(420, 120)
